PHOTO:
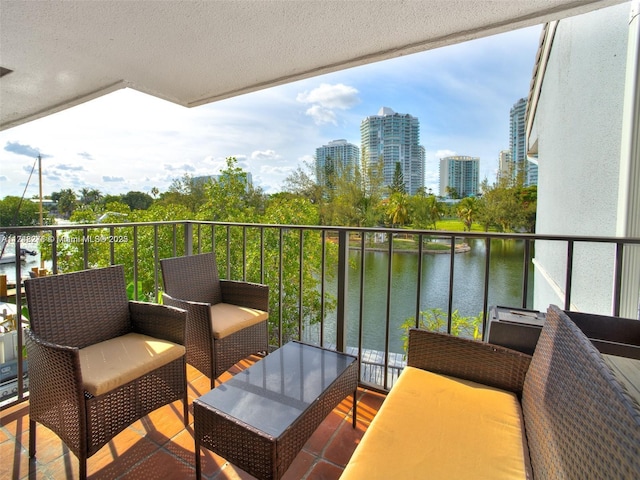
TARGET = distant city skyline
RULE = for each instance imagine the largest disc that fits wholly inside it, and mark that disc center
(462, 95)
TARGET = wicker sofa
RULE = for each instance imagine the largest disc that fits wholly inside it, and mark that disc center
(467, 409)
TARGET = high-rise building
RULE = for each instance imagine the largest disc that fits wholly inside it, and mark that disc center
(522, 169)
(504, 165)
(337, 155)
(394, 138)
(460, 174)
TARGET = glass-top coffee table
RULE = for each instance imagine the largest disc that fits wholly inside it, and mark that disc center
(260, 419)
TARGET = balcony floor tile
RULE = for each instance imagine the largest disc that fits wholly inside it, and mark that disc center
(159, 445)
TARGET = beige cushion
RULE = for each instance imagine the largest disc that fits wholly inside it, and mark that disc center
(227, 319)
(112, 363)
(437, 427)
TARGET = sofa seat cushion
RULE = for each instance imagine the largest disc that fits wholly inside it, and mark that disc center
(437, 427)
(227, 319)
(115, 362)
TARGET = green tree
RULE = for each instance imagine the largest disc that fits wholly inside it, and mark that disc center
(397, 185)
(15, 211)
(398, 209)
(467, 210)
(425, 210)
(231, 197)
(137, 200)
(89, 196)
(67, 201)
(436, 320)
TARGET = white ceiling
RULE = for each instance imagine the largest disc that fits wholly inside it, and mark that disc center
(63, 53)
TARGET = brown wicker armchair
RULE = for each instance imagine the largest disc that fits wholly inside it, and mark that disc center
(227, 319)
(76, 321)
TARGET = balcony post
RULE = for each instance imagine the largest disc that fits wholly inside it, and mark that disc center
(343, 282)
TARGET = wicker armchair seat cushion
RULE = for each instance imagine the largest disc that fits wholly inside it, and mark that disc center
(110, 364)
(227, 319)
(434, 426)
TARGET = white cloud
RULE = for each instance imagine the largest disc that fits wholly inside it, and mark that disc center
(338, 96)
(321, 115)
(325, 99)
(264, 155)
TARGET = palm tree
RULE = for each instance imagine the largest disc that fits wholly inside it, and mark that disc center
(398, 209)
(467, 211)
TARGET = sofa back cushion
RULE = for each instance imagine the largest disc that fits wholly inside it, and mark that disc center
(81, 308)
(580, 422)
(192, 277)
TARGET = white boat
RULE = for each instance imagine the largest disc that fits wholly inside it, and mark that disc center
(11, 258)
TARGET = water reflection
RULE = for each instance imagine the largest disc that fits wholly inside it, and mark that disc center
(505, 288)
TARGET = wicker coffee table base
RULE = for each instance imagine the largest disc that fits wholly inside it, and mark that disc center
(258, 453)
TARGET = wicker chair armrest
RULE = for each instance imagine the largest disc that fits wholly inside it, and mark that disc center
(245, 294)
(54, 374)
(159, 321)
(199, 313)
(473, 360)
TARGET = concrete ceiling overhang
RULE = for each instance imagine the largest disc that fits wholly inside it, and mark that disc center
(62, 53)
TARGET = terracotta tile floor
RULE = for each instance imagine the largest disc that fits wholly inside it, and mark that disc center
(158, 446)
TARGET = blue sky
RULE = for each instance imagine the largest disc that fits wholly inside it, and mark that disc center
(127, 140)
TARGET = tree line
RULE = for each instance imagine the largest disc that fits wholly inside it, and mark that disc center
(349, 198)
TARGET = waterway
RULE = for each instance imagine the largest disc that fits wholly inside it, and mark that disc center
(505, 288)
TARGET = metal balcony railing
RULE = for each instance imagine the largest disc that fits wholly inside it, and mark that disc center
(320, 278)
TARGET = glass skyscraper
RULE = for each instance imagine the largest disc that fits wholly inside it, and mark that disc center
(394, 138)
(523, 170)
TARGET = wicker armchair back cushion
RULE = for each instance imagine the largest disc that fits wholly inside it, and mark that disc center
(580, 421)
(66, 316)
(194, 277)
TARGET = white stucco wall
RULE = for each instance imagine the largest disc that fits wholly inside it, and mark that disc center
(578, 129)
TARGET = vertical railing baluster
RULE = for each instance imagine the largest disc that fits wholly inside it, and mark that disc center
(188, 238)
(485, 297)
(280, 285)
(419, 280)
(244, 253)
(85, 247)
(387, 333)
(617, 279)
(112, 246)
(228, 252)
(261, 254)
(199, 237)
(323, 276)
(452, 262)
(135, 262)
(54, 251)
(175, 240)
(361, 303)
(525, 272)
(156, 263)
(569, 275)
(300, 282)
(19, 338)
(343, 284)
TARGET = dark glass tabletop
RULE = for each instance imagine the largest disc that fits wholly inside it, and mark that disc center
(271, 394)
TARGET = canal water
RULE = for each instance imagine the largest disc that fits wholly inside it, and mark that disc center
(505, 289)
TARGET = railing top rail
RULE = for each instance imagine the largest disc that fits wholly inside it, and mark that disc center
(440, 233)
